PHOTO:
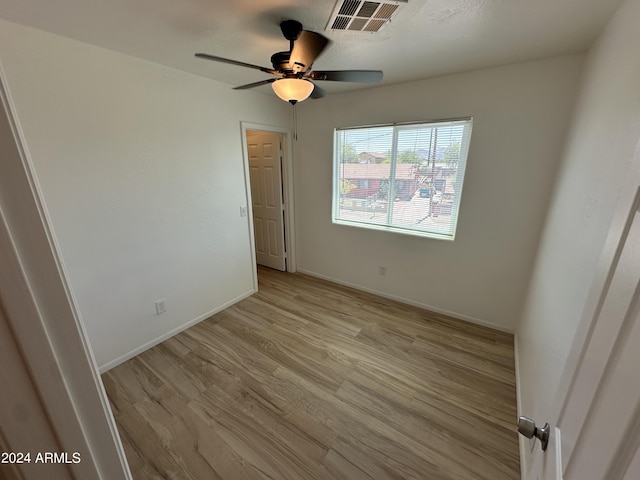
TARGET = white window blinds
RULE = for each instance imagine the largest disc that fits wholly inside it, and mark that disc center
(404, 178)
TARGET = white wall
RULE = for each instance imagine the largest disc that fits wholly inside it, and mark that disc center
(605, 130)
(520, 115)
(67, 407)
(141, 170)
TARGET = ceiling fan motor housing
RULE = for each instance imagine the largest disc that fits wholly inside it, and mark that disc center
(280, 62)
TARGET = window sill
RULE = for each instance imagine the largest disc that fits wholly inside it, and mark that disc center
(393, 229)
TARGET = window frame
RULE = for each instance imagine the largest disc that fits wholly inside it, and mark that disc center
(397, 127)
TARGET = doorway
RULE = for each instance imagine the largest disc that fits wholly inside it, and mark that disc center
(268, 170)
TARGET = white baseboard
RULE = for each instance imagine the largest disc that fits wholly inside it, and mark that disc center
(459, 316)
(137, 351)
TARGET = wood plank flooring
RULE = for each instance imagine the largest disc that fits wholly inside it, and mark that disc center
(311, 380)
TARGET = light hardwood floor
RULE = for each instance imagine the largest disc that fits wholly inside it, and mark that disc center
(311, 380)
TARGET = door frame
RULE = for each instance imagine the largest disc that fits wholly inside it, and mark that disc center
(627, 201)
(602, 278)
(287, 189)
(46, 328)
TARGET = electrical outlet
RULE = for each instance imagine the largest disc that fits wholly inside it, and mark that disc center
(382, 270)
(161, 306)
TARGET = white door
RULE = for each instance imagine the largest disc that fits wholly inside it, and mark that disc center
(265, 159)
(595, 432)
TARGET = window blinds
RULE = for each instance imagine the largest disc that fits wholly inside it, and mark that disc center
(405, 178)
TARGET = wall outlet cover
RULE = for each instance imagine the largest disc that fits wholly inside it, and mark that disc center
(161, 306)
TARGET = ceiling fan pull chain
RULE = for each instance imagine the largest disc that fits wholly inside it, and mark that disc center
(295, 123)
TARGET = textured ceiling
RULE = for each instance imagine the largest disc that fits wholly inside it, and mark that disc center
(427, 38)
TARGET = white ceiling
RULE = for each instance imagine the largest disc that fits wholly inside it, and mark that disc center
(427, 38)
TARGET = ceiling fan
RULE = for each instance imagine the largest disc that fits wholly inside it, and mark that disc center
(294, 66)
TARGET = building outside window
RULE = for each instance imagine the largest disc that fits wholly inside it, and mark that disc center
(404, 178)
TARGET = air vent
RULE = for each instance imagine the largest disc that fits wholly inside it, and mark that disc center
(363, 16)
(349, 7)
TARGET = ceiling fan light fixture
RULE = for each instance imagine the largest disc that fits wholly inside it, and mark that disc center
(292, 90)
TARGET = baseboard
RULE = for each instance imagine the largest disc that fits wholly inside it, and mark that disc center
(459, 316)
(137, 351)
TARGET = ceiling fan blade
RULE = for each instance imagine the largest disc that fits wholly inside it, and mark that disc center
(361, 76)
(306, 49)
(235, 62)
(317, 92)
(255, 84)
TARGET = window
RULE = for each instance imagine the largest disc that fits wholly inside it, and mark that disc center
(404, 178)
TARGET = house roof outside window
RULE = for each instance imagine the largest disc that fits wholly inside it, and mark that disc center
(371, 157)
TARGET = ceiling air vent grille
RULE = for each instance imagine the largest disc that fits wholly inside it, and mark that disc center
(386, 11)
(368, 9)
(363, 16)
(374, 25)
(349, 7)
(340, 23)
(358, 24)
